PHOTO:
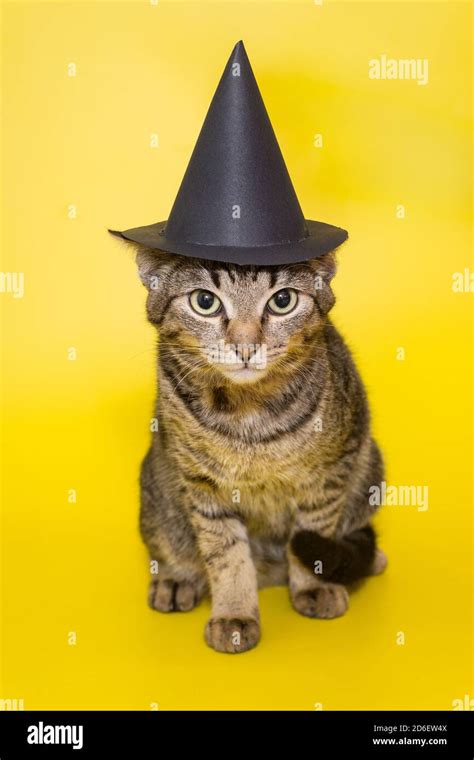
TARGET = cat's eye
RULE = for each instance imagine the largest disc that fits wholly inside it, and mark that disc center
(204, 302)
(283, 301)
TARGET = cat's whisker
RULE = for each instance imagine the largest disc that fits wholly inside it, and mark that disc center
(193, 369)
(179, 345)
(182, 376)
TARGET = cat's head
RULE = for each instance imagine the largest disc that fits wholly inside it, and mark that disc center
(239, 322)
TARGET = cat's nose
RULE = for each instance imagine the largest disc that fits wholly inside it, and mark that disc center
(241, 333)
(245, 351)
(246, 337)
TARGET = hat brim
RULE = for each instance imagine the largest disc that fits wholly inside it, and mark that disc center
(321, 239)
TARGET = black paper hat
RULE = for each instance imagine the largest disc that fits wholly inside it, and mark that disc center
(236, 202)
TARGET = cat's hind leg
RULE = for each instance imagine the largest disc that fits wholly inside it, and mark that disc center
(320, 568)
(313, 597)
(380, 562)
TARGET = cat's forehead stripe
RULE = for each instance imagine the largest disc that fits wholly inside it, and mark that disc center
(231, 274)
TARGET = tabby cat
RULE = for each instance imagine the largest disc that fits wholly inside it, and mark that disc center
(260, 469)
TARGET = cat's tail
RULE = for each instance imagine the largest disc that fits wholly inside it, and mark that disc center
(342, 560)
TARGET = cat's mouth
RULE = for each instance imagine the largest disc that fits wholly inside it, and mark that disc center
(244, 362)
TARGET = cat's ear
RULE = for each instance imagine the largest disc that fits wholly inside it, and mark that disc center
(149, 264)
(152, 265)
(324, 270)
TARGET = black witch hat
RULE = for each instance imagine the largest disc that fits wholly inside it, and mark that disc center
(236, 202)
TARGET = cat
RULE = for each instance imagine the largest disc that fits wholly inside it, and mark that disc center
(260, 469)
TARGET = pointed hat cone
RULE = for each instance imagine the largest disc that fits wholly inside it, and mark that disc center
(236, 202)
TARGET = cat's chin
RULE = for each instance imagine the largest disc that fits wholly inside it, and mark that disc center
(243, 375)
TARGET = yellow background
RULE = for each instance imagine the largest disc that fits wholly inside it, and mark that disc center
(85, 140)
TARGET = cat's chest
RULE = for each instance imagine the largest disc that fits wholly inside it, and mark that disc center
(265, 491)
(256, 467)
(261, 475)
(235, 459)
(264, 481)
(245, 456)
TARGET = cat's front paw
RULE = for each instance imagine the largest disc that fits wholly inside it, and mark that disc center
(168, 595)
(232, 635)
(326, 601)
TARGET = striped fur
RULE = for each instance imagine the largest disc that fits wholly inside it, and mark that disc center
(241, 475)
